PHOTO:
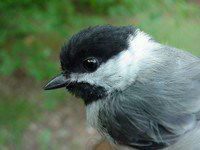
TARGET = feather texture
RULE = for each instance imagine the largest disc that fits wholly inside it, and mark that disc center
(160, 107)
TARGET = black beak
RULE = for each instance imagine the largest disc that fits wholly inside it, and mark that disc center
(57, 82)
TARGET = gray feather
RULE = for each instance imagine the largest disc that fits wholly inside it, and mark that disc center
(160, 107)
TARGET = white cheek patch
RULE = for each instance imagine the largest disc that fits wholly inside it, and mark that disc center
(121, 70)
(124, 60)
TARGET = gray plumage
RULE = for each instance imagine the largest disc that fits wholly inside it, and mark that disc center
(161, 106)
(138, 92)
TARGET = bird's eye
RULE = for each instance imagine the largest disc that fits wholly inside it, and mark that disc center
(91, 64)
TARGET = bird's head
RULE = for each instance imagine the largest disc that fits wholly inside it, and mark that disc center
(101, 59)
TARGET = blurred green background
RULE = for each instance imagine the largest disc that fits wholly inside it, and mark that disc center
(31, 34)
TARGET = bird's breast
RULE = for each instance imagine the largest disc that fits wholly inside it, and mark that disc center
(92, 113)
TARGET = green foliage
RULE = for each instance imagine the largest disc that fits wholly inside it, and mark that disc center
(177, 27)
(15, 115)
(44, 139)
(53, 99)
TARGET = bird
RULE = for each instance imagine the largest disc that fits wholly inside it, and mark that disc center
(137, 92)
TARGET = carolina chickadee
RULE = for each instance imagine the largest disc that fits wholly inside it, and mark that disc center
(138, 92)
